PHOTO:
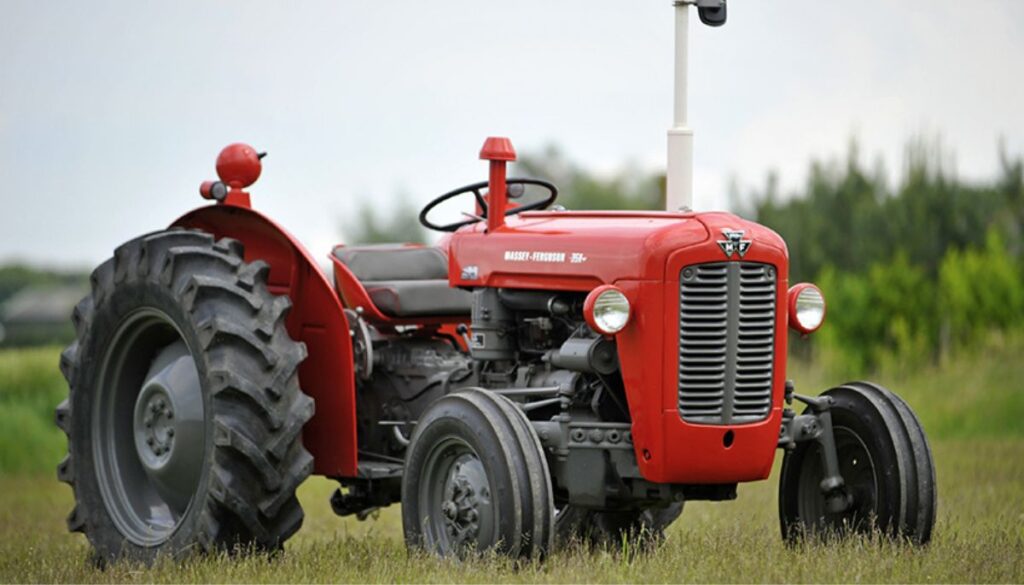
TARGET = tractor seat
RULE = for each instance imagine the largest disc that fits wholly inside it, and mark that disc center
(405, 281)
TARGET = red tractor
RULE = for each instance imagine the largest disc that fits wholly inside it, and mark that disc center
(539, 375)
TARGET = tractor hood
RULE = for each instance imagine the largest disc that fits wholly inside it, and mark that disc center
(580, 250)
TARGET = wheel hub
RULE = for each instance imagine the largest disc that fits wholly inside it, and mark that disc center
(158, 426)
(466, 492)
(168, 425)
(850, 506)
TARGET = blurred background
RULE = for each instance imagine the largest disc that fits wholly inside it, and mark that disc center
(883, 140)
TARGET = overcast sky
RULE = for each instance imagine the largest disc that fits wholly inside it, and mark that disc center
(111, 113)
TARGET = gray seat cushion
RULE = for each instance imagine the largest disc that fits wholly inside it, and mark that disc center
(406, 282)
(394, 262)
(418, 298)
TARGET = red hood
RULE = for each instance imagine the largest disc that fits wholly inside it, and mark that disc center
(581, 250)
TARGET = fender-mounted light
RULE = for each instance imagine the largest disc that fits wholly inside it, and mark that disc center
(606, 310)
(806, 307)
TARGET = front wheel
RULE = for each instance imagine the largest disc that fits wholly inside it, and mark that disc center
(476, 480)
(884, 460)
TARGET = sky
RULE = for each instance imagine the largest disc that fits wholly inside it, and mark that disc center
(112, 113)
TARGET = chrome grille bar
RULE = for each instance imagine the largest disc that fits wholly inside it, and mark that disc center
(726, 342)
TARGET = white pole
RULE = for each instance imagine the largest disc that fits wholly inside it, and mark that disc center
(679, 173)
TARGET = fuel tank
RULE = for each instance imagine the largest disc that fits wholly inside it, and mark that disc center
(735, 272)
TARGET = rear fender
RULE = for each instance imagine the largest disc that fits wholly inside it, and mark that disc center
(316, 319)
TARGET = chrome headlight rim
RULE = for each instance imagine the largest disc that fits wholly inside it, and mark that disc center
(807, 308)
(607, 310)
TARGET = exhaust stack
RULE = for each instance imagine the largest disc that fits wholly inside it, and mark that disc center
(679, 171)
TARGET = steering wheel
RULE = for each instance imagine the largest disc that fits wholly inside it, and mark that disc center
(477, 190)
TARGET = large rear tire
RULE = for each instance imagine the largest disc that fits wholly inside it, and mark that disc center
(184, 415)
(476, 480)
(886, 465)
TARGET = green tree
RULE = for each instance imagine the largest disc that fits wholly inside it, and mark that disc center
(398, 224)
(580, 189)
(934, 264)
(14, 277)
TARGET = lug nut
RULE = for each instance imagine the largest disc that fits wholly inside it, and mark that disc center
(170, 433)
(448, 509)
(150, 441)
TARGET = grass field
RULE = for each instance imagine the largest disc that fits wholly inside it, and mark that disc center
(972, 409)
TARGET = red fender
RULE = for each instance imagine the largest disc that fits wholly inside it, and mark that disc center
(316, 319)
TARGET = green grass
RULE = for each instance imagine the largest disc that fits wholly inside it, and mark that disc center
(971, 408)
(31, 386)
(976, 394)
(979, 538)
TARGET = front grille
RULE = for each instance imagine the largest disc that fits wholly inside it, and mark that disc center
(726, 342)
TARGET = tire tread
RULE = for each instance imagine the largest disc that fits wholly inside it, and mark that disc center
(252, 365)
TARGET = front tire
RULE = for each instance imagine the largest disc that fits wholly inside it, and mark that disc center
(184, 415)
(886, 464)
(476, 480)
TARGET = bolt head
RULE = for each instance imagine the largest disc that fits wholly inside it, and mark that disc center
(449, 509)
(170, 433)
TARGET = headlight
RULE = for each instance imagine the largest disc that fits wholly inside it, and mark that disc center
(606, 310)
(806, 308)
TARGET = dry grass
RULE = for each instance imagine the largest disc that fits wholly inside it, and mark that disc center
(972, 409)
(979, 538)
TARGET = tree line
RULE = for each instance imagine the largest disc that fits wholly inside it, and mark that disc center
(910, 271)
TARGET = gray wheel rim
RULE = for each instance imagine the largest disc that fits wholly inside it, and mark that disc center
(860, 480)
(148, 428)
(456, 496)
